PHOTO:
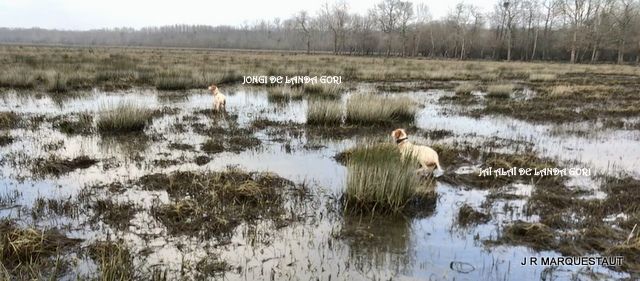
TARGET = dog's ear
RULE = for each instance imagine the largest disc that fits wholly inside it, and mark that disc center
(399, 133)
(396, 134)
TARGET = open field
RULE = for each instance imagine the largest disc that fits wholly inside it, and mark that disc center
(115, 167)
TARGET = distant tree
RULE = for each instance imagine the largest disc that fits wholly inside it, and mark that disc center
(625, 13)
(387, 15)
(405, 15)
(578, 13)
(336, 18)
(303, 22)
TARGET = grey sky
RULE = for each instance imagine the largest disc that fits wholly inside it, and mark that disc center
(86, 14)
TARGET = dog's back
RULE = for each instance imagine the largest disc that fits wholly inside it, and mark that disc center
(424, 154)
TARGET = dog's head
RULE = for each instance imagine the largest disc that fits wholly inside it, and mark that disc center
(213, 88)
(398, 134)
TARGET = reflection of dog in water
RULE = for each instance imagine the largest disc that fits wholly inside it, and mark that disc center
(426, 156)
(219, 100)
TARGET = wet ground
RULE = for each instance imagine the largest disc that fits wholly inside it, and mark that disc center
(321, 242)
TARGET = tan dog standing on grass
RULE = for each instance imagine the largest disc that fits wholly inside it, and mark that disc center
(426, 156)
(219, 100)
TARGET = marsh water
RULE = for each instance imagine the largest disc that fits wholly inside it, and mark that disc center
(430, 247)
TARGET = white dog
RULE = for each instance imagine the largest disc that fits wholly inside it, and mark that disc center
(426, 156)
(219, 100)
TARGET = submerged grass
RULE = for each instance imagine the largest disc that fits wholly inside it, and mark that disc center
(82, 124)
(379, 179)
(535, 235)
(368, 109)
(114, 260)
(28, 253)
(214, 203)
(117, 215)
(468, 216)
(56, 166)
(125, 117)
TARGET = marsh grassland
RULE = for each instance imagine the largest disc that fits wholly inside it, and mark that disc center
(115, 167)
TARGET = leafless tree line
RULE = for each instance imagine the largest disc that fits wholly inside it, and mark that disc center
(585, 31)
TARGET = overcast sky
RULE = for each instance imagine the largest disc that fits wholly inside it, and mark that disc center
(87, 14)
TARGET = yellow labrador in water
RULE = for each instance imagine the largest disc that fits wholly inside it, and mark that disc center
(426, 156)
(219, 100)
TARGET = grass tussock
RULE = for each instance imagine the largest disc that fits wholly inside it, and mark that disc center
(500, 90)
(379, 179)
(8, 120)
(324, 113)
(542, 77)
(332, 91)
(125, 117)
(174, 81)
(283, 93)
(465, 88)
(630, 251)
(58, 84)
(363, 109)
(17, 79)
(5, 139)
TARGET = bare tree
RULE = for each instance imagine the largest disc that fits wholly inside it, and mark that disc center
(405, 15)
(336, 17)
(568, 30)
(550, 13)
(422, 18)
(387, 14)
(511, 9)
(303, 22)
(578, 12)
(626, 11)
(463, 18)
